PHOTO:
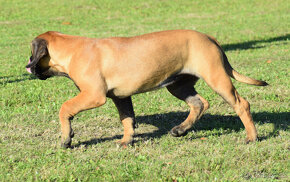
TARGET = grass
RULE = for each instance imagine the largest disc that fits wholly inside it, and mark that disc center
(255, 36)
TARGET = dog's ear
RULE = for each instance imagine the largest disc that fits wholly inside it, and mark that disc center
(39, 50)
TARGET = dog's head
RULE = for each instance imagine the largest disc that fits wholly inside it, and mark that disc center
(39, 62)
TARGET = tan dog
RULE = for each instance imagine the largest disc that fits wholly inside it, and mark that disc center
(120, 67)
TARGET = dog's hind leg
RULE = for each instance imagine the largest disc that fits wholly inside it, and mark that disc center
(220, 82)
(127, 116)
(184, 90)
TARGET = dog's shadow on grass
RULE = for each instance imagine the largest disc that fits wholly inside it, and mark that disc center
(221, 124)
(17, 78)
(252, 44)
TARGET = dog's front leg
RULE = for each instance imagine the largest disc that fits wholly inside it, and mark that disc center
(83, 101)
(127, 117)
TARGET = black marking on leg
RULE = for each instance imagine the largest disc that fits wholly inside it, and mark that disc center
(72, 133)
(196, 102)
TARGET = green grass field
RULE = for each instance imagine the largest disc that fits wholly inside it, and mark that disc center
(255, 36)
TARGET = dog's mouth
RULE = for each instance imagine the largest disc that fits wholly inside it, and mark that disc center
(29, 69)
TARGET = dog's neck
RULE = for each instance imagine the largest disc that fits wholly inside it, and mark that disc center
(59, 62)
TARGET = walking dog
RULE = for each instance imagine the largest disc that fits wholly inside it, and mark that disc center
(119, 67)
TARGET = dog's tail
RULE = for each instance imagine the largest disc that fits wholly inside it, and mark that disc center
(233, 73)
(239, 77)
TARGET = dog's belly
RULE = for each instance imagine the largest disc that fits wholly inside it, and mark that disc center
(148, 77)
(127, 90)
(145, 79)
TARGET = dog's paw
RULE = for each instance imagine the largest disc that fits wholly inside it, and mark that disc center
(178, 131)
(250, 140)
(66, 144)
(124, 144)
